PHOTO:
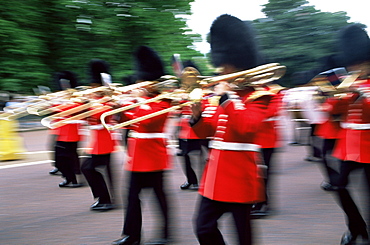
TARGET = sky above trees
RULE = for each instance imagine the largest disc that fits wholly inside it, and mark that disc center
(205, 11)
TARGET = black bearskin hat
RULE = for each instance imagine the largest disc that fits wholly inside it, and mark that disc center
(64, 79)
(300, 78)
(354, 45)
(233, 42)
(329, 62)
(96, 67)
(148, 64)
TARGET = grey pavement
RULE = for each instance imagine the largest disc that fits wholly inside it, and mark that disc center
(34, 210)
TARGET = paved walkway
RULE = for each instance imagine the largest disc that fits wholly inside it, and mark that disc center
(34, 210)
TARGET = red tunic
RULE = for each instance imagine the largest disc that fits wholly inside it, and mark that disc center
(147, 151)
(101, 141)
(186, 131)
(232, 175)
(330, 128)
(354, 141)
(69, 132)
(268, 136)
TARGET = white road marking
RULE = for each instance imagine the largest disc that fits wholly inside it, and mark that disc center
(25, 164)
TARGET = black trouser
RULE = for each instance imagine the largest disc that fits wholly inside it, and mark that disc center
(125, 136)
(314, 142)
(327, 150)
(208, 214)
(356, 223)
(133, 218)
(267, 156)
(186, 146)
(66, 160)
(95, 178)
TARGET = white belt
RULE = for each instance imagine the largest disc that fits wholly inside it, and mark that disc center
(97, 127)
(270, 119)
(147, 135)
(76, 122)
(233, 146)
(356, 126)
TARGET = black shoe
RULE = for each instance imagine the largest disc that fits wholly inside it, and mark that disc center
(260, 210)
(193, 187)
(326, 186)
(157, 242)
(188, 186)
(313, 159)
(55, 171)
(69, 184)
(101, 206)
(349, 239)
(185, 186)
(127, 240)
(95, 203)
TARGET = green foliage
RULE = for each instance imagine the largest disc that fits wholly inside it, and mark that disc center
(297, 35)
(40, 37)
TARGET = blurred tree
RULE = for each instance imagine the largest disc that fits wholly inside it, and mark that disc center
(297, 35)
(40, 37)
(21, 46)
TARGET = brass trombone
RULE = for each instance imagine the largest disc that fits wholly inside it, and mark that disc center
(40, 102)
(194, 96)
(74, 96)
(267, 73)
(255, 76)
(329, 89)
(97, 105)
(109, 92)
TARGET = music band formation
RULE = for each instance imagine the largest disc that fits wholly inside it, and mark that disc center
(231, 118)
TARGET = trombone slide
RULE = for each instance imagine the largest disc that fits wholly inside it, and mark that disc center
(124, 124)
(125, 108)
(48, 121)
(194, 96)
(275, 71)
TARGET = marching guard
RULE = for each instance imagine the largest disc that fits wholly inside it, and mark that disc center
(62, 81)
(66, 155)
(97, 166)
(269, 139)
(189, 141)
(352, 147)
(148, 158)
(231, 181)
(329, 131)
